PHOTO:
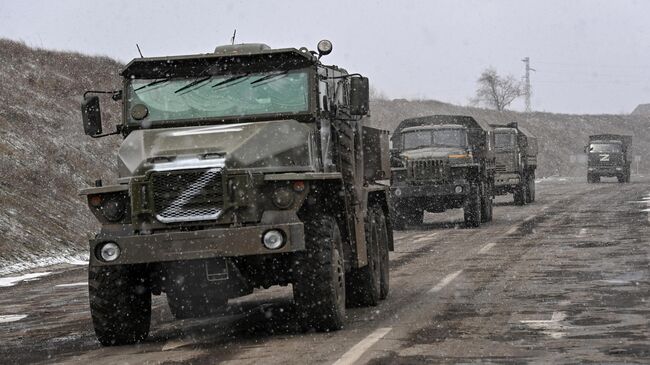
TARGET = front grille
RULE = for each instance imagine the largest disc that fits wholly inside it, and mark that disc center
(501, 168)
(427, 169)
(183, 196)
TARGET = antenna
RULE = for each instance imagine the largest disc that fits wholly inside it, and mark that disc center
(139, 51)
(232, 40)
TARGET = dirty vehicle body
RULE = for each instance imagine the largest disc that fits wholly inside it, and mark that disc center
(442, 162)
(516, 161)
(245, 168)
(609, 155)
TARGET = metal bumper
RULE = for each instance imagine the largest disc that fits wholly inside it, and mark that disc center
(403, 192)
(507, 180)
(606, 171)
(202, 244)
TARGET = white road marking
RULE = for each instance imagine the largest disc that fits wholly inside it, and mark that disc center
(551, 327)
(446, 280)
(486, 248)
(174, 344)
(425, 238)
(359, 349)
(12, 318)
(528, 219)
(582, 233)
(513, 230)
(13, 280)
(81, 283)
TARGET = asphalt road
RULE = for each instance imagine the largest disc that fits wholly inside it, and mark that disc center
(563, 280)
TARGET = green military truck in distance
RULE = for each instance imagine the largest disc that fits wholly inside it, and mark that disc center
(442, 162)
(240, 169)
(609, 155)
(516, 162)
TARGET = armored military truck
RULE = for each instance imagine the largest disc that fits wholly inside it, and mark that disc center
(442, 162)
(609, 155)
(240, 169)
(516, 162)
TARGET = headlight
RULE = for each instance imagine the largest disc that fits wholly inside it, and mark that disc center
(397, 192)
(109, 252)
(113, 208)
(283, 198)
(273, 239)
(619, 168)
(458, 189)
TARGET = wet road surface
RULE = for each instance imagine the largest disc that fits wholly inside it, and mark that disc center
(563, 280)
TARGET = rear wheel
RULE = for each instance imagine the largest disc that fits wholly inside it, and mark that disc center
(472, 209)
(364, 287)
(120, 304)
(384, 263)
(319, 276)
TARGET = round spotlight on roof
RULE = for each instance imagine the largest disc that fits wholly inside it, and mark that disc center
(324, 48)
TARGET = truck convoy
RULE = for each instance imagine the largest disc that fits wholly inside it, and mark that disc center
(609, 155)
(516, 161)
(243, 168)
(442, 162)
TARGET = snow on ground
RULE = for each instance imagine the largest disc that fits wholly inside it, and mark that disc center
(13, 280)
(76, 260)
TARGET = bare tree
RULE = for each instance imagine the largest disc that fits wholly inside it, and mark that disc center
(497, 91)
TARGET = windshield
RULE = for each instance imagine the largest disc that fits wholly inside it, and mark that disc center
(234, 95)
(435, 137)
(504, 141)
(605, 147)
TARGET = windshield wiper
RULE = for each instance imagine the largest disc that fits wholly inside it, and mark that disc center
(229, 80)
(193, 83)
(154, 82)
(268, 77)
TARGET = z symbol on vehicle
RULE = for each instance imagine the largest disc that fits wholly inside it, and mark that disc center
(604, 157)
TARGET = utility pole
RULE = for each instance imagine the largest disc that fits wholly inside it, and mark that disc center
(527, 83)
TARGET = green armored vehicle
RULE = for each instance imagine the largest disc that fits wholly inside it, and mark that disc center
(240, 169)
(609, 155)
(516, 162)
(442, 162)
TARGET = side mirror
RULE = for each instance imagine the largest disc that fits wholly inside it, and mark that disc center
(91, 116)
(359, 96)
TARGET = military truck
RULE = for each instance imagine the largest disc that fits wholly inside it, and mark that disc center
(239, 169)
(442, 162)
(609, 155)
(516, 161)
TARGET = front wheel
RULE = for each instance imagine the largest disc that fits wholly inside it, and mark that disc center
(120, 304)
(319, 276)
(472, 208)
(530, 194)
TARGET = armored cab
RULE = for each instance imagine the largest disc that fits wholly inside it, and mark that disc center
(442, 162)
(609, 155)
(516, 162)
(245, 168)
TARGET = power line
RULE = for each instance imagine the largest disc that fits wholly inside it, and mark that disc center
(527, 83)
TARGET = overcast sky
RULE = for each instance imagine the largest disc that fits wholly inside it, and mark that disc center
(590, 56)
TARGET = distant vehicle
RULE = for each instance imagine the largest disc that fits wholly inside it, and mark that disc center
(442, 162)
(245, 168)
(609, 155)
(516, 162)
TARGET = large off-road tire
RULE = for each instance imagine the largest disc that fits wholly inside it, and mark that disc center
(520, 193)
(472, 208)
(120, 304)
(590, 179)
(620, 178)
(530, 193)
(628, 176)
(319, 276)
(364, 285)
(384, 264)
(486, 207)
